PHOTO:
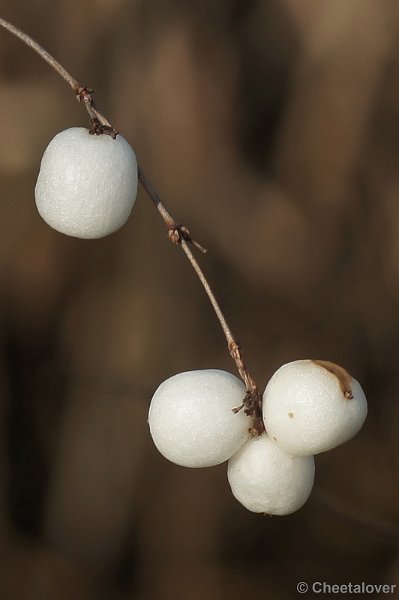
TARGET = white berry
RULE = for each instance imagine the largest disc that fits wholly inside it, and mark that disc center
(265, 479)
(191, 418)
(87, 184)
(312, 406)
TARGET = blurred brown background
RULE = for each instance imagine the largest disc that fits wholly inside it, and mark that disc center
(271, 129)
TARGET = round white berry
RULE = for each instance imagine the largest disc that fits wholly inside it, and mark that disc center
(87, 184)
(192, 421)
(312, 406)
(265, 479)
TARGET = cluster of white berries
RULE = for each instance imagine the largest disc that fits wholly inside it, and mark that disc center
(308, 407)
(87, 184)
(86, 188)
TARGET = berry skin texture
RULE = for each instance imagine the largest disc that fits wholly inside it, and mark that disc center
(265, 479)
(191, 419)
(87, 184)
(307, 407)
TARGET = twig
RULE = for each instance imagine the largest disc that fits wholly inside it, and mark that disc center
(178, 234)
(71, 81)
(252, 403)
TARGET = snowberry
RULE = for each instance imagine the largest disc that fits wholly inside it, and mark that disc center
(312, 406)
(191, 418)
(87, 184)
(265, 479)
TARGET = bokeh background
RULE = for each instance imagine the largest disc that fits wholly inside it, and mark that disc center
(271, 129)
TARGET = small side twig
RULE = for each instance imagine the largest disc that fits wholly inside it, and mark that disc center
(178, 234)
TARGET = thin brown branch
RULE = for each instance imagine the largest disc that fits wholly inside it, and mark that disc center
(216, 307)
(99, 124)
(178, 234)
(71, 81)
(252, 403)
(156, 200)
(176, 231)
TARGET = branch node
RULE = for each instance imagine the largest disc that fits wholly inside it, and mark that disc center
(235, 350)
(178, 233)
(84, 94)
(258, 428)
(98, 128)
(99, 125)
(174, 235)
(253, 408)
